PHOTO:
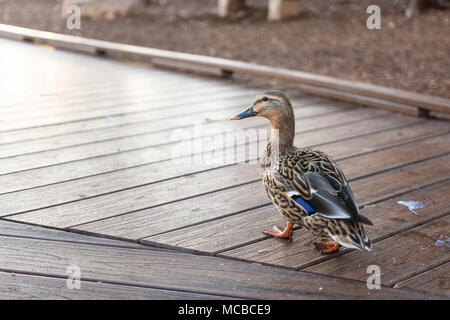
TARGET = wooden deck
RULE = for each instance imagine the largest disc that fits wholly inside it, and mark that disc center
(88, 178)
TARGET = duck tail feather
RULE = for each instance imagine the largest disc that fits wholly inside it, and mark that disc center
(357, 239)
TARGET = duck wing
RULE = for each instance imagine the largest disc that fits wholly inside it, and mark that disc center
(322, 185)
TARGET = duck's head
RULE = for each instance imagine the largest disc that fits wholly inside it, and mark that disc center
(276, 107)
(272, 105)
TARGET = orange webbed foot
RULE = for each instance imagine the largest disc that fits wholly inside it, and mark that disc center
(328, 246)
(286, 233)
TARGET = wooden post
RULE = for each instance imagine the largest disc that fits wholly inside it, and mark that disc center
(225, 7)
(280, 9)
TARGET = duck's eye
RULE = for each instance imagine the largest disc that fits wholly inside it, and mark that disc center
(265, 99)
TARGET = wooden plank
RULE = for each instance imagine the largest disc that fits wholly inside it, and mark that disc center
(111, 72)
(164, 120)
(180, 214)
(160, 219)
(388, 218)
(152, 95)
(70, 191)
(92, 96)
(412, 177)
(42, 176)
(144, 125)
(203, 238)
(29, 59)
(85, 83)
(130, 199)
(395, 95)
(80, 67)
(114, 75)
(81, 76)
(154, 151)
(210, 237)
(120, 94)
(109, 121)
(181, 272)
(14, 286)
(96, 185)
(386, 138)
(159, 100)
(167, 118)
(135, 158)
(436, 280)
(18, 230)
(220, 234)
(389, 158)
(231, 100)
(108, 109)
(403, 255)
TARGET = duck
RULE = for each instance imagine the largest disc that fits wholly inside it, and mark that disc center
(307, 186)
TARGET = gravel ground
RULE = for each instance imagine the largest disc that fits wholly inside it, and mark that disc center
(329, 37)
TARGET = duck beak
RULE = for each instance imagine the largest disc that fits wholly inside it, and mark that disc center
(249, 112)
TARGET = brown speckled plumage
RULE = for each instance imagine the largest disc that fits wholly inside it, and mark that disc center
(309, 174)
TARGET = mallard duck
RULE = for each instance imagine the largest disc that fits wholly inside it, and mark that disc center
(307, 187)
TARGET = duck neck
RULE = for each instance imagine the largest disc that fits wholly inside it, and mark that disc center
(282, 135)
(280, 143)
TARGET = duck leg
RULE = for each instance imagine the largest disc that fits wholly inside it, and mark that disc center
(286, 233)
(327, 246)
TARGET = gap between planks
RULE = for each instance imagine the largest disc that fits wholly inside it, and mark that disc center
(49, 195)
(165, 129)
(124, 130)
(16, 284)
(388, 217)
(189, 237)
(413, 251)
(128, 145)
(31, 215)
(181, 272)
(224, 215)
(89, 94)
(108, 110)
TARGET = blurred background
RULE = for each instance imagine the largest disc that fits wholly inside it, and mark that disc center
(329, 37)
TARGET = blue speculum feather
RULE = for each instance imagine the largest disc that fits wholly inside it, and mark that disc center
(304, 204)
